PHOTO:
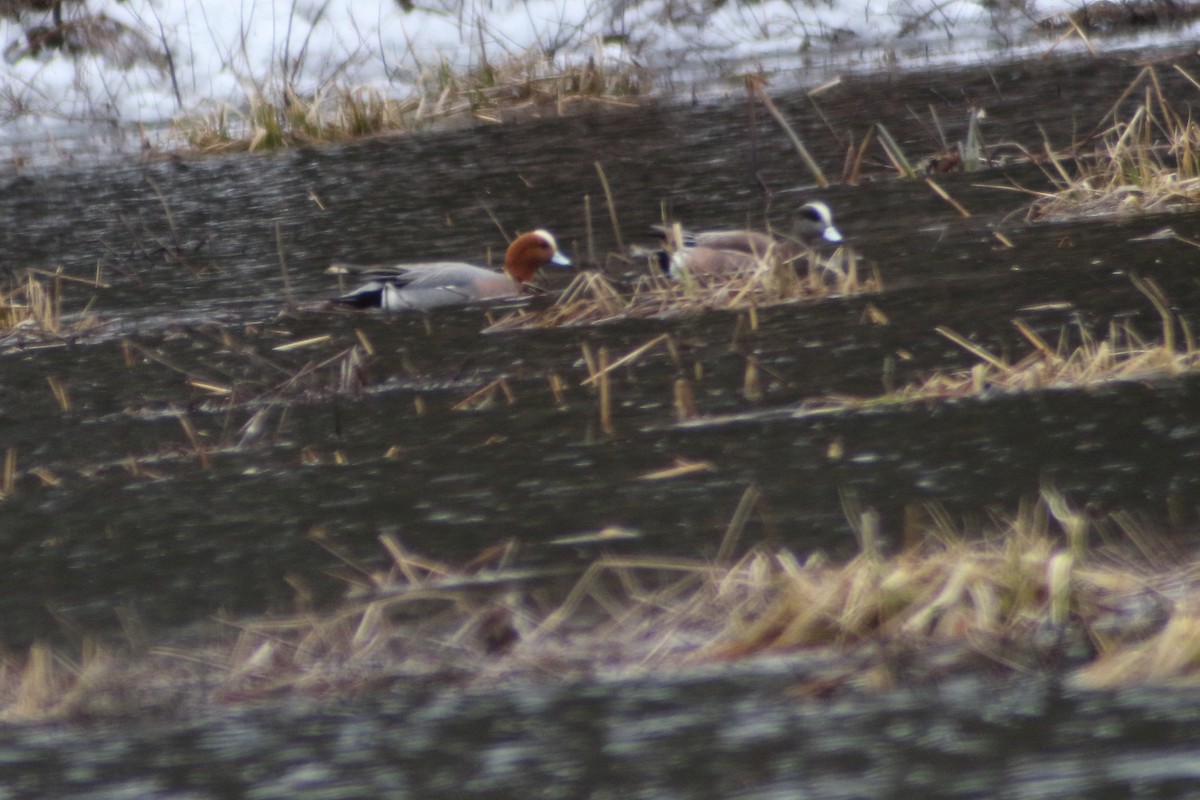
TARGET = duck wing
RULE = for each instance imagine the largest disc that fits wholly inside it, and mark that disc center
(739, 241)
(752, 242)
(401, 274)
(425, 286)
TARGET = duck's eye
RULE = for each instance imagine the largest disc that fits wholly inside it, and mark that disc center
(810, 214)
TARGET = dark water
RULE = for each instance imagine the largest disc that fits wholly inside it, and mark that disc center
(701, 736)
(190, 250)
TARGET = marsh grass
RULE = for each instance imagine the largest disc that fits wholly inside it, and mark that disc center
(31, 313)
(525, 83)
(593, 299)
(1148, 161)
(272, 124)
(1028, 593)
(968, 153)
(1122, 355)
(1033, 593)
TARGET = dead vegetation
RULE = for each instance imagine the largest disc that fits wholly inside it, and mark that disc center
(233, 398)
(1122, 355)
(1146, 162)
(523, 84)
(1033, 594)
(593, 299)
(248, 410)
(31, 312)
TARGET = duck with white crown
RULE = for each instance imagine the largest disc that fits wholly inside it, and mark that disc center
(726, 252)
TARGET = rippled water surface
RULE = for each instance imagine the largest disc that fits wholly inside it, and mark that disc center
(209, 265)
(704, 736)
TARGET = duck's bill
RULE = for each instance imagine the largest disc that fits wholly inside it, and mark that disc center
(563, 261)
(832, 234)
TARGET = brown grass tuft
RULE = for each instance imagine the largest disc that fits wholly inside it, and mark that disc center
(32, 313)
(1146, 162)
(593, 299)
(1122, 355)
(526, 83)
(1024, 598)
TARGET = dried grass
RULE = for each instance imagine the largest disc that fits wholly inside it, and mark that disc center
(593, 299)
(529, 82)
(1122, 355)
(1145, 163)
(1023, 598)
(32, 312)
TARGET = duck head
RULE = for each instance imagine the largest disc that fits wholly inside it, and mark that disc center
(531, 251)
(815, 221)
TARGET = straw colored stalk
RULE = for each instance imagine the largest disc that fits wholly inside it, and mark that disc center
(31, 310)
(1170, 657)
(1007, 603)
(42, 684)
(958, 593)
(592, 299)
(281, 117)
(1121, 356)
(1147, 162)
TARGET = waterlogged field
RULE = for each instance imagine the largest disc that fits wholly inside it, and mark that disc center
(652, 538)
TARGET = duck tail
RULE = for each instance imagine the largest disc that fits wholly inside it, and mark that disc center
(367, 296)
(664, 261)
(658, 255)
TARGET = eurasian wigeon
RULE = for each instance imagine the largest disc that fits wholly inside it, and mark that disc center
(441, 284)
(719, 252)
